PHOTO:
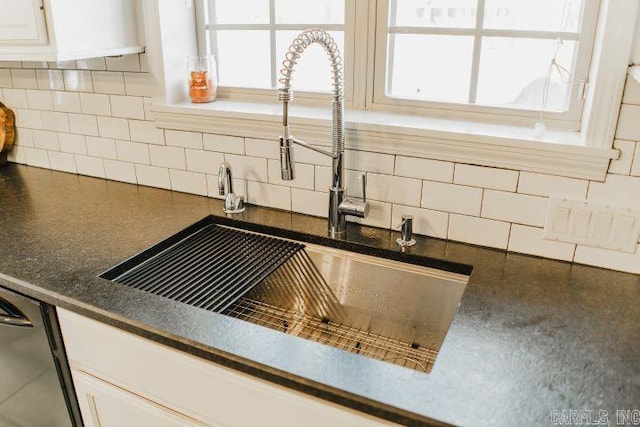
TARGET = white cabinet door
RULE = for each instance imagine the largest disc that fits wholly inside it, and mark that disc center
(22, 22)
(104, 405)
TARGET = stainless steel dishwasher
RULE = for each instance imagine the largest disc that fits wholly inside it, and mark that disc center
(35, 381)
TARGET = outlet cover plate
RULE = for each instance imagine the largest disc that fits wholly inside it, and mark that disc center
(592, 224)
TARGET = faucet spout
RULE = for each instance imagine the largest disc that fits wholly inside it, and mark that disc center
(337, 208)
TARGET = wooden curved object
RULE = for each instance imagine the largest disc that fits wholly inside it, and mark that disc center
(7, 128)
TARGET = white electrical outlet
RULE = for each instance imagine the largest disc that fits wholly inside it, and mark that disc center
(592, 224)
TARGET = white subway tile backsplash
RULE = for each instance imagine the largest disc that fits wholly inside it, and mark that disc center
(635, 168)
(83, 124)
(425, 221)
(104, 148)
(516, 208)
(552, 186)
(462, 202)
(168, 157)
(153, 176)
(112, 127)
(528, 240)
(63, 65)
(628, 122)
(616, 190)
(108, 82)
(5, 78)
(608, 259)
(123, 63)
(31, 119)
(622, 165)
(96, 104)
(479, 231)
(224, 143)
(15, 98)
(188, 182)
(35, 64)
(24, 137)
(264, 148)
(631, 92)
(71, 143)
(137, 84)
(310, 202)
(143, 131)
(177, 138)
(270, 195)
(304, 175)
(77, 81)
(133, 152)
(379, 215)
(369, 162)
(203, 161)
(120, 171)
(432, 170)
(10, 64)
(248, 168)
(64, 162)
(49, 79)
(91, 64)
(24, 79)
(54, 120)
(486, 177)
(36, 157)
(129, 107)
(16, 155)
(67, 102)
(90, 166)
(45, 140)
(147, 104)
(451, 198)
(144, 62)
(394, 189)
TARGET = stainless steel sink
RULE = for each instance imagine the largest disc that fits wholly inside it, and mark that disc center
(393, 307)
(372, 306)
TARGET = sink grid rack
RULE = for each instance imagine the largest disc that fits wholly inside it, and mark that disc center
(409, 355)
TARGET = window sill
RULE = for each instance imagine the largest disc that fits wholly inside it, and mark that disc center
(558, 153)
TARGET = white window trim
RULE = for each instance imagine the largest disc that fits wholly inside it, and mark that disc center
(567, 120)
(585, 154)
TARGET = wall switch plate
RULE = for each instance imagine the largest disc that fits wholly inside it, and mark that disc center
(592, 224)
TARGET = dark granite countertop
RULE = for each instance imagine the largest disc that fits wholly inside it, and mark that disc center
(531, 335)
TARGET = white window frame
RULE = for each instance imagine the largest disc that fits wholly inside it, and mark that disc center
(266, 95)
(569, 120)
(171, 35)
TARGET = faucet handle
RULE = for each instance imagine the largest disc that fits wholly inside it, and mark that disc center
(363, 178)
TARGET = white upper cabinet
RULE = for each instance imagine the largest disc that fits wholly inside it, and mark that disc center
(22, 23)
(61, 30)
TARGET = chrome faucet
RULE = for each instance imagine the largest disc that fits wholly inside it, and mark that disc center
(232, 203)
(339, 205)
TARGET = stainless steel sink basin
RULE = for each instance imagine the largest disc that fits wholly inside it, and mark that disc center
(380, 308)
(392, 306)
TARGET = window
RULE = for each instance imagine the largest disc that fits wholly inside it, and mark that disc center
(466, 56)
(249, 39)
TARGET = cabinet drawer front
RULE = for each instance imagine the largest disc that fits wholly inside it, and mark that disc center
(104, 405)
(192, 386)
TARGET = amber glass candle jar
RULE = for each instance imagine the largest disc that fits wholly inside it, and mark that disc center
(203, 82)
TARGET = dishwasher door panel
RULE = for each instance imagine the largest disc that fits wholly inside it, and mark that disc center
(30, 391)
